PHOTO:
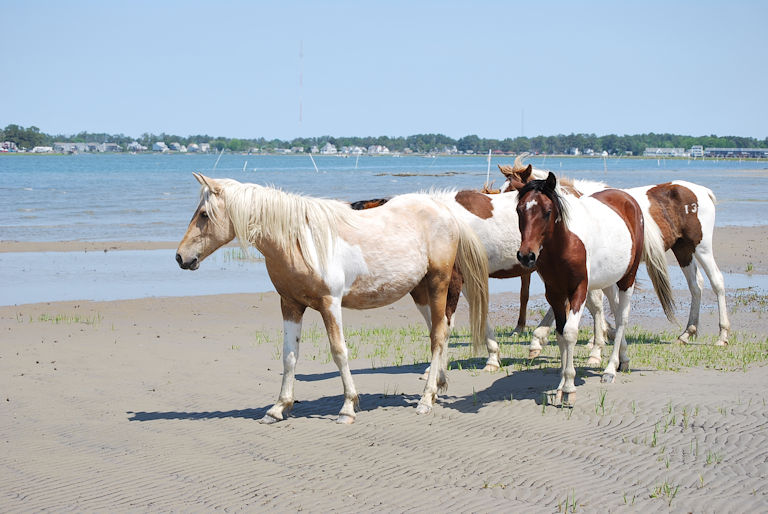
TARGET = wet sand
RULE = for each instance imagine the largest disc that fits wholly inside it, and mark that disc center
(153, 404)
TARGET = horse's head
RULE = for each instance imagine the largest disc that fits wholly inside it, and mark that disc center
(209, 229)
(516, 175)
(539, 208)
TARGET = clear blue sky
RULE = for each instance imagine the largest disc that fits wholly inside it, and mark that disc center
(495, 69)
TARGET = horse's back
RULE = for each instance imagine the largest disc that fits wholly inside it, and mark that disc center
(609, 224)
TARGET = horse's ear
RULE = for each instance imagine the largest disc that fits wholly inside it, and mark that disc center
(551, 182)
(525, 175)
(210, 183)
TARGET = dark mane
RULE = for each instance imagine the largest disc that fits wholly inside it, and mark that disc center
(548, 188)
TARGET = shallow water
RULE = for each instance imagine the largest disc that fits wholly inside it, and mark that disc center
(31, 277)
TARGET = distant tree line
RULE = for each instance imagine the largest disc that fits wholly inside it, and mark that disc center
(420, 143)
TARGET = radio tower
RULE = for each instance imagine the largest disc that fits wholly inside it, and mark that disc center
(301, 78)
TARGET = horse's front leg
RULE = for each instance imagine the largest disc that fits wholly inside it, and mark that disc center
(566, 340)
(292, 316)
(331, 314)
(525, 289)
(619, 360)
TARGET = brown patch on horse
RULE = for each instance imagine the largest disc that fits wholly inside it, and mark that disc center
(515, 271)
(361, 205)
(564, 281)
(567, 185)
(674, 209)
(626, 207)
(476, 203)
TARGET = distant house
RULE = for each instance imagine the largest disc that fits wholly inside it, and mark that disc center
(205, 147)
(62, 147)
(109, 147)
(42, 149)
(314, 149)
(297, 149)
(697, 151)
(136, 147)
(328, 149)
(193, 147)
(377, 150)
(664, 152)
(159, 146)
(8, 146)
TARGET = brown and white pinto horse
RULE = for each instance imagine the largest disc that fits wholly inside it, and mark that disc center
(322, 254)
(685, 215)
(494, 219)
(582, 244)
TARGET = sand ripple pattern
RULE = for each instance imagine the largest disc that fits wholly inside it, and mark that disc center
(158, 417)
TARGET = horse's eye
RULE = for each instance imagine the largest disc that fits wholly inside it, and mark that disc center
(547, 214)
(204, 215)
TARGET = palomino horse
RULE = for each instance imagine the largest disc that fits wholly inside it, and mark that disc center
(324, 255)
(584, 243)
(684, 213)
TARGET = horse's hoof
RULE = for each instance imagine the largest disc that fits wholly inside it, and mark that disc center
(594, 361)
(519, 329)
(591, 343)
(682, 340)
(558, 397)
(491, 368)
(570, 399)
(423, 408)
(532, 354)
(624, 366)
(424, 376)
(345, 419)
(268, 419)
(608, 378)
(721, 343)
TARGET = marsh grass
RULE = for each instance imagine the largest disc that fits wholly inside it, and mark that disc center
(68, 319)
(409, 345)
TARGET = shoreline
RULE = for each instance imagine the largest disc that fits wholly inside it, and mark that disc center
(738, 249)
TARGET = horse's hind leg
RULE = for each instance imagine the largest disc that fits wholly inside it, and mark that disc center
(595, 307)
(619, 360)
(420, 297)
(437, 284)
(331, 314)
(541, 334)
(707, 261)
(693, 278)
(292, 315)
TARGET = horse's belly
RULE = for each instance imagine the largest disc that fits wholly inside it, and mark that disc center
(384, 284)
(610, 251)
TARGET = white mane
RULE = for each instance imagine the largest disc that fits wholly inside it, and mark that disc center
(293, 222)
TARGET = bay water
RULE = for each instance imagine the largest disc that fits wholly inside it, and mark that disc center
(151, 197)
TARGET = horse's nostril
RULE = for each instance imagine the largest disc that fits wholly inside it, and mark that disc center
(178, 259)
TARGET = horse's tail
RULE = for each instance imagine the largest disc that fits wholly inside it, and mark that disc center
(656, 265)
(473, 264)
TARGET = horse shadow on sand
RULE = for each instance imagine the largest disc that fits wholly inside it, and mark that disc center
(527, 384)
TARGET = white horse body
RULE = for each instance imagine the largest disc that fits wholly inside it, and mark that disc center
(606, 240)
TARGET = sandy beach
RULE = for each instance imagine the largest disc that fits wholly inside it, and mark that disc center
(152, 405)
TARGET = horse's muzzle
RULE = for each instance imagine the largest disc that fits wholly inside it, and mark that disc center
(191, 265)
(528, 260)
